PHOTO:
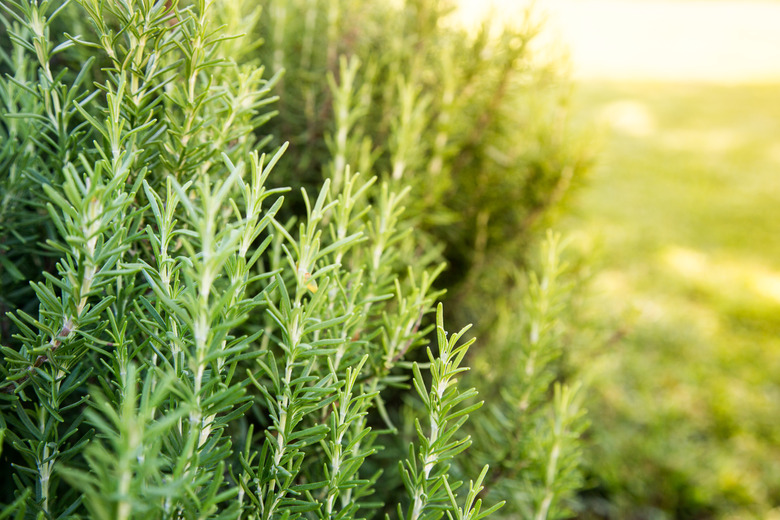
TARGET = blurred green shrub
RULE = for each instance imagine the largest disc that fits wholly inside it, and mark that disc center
(475, 124)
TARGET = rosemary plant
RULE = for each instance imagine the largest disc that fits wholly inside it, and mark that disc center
(475, 128)
(204, 320)
(475, 124)
(185, 350)
(530, 433)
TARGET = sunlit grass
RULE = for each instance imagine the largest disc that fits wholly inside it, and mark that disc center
(685, 204)
(699, 171)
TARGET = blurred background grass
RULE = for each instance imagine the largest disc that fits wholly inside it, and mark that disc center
(681, 216)
(682, 208)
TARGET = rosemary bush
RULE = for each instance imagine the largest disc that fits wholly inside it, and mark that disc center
(186, 335)
(529, 431)
(475, 126)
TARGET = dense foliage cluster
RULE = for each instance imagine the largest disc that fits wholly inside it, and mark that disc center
(188, 336)
(476, 126)
(474, 123)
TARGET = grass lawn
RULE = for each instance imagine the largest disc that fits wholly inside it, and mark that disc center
(683, 211)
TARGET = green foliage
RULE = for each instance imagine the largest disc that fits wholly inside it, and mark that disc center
(529, 433)
(428, 484)
(185, 338)
(475, 124)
